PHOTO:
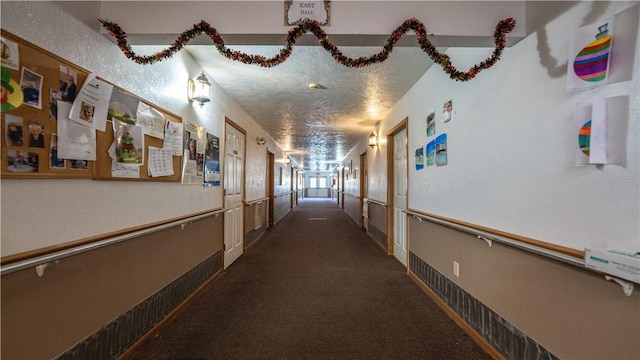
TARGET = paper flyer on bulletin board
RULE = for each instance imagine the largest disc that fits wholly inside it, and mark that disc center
(212, 174)
(75, 141)
(90, 107)
(160, 162)
(193, 155)
(173, 138)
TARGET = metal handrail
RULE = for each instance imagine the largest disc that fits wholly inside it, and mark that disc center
(627, 286)
(257, 201)
(377, 202)
(39, 260)
(488, 237)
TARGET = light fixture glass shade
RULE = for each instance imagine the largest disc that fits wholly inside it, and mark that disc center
(198, 90)
(373, 140)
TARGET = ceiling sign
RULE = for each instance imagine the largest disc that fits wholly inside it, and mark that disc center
(296, 11)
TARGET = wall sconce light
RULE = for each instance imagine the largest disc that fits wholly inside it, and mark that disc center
(198, 89)
(373, 140)
(261, 141)
(287, 160)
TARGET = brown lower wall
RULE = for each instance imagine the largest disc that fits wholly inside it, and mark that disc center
(352, 207)
(255, 222)
(377, 224)
(572, 312)
(44, 317)
(281, 206)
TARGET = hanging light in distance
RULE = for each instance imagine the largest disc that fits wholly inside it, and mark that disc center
(198, 89)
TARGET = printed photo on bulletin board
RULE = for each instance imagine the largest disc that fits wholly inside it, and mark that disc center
(212, 174)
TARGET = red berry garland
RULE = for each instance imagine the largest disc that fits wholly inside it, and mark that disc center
(503, 28)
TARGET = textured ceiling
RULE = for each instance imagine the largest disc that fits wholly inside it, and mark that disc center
(318, 127)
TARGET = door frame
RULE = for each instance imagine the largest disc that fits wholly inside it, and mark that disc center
(402, 125)
(342, 186)
(271, 163)
(292, 187)
(363, 185)
(229, 122)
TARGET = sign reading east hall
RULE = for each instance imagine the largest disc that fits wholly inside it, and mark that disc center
(295, 11)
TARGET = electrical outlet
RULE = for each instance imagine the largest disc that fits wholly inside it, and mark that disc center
(456, 269)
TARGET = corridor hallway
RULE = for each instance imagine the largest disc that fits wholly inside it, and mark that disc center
(315, 287)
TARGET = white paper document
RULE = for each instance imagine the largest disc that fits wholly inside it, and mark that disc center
(91, 104)
(602, 130)
(598, 151)
(151, 120)
(124, 171)
(160, 162)
(74, 141)
(173, 138)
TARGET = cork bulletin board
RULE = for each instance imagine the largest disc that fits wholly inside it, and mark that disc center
(29, 127)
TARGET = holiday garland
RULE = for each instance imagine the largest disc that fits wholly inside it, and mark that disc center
(503, 28)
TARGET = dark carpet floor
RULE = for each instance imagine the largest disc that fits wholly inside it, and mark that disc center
(312, 289)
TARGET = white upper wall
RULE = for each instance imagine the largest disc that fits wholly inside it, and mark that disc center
(512, 143)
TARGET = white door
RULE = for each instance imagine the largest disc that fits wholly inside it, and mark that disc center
(233, 190)
(400, 196)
